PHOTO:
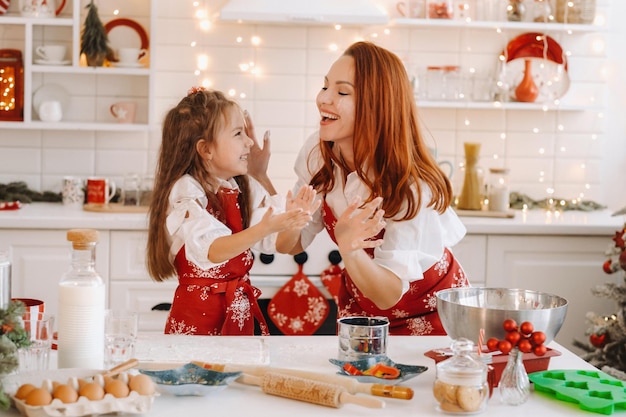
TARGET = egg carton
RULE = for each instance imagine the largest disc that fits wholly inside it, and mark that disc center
(134, 403)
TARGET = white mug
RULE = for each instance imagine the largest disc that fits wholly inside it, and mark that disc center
(73, 194)
(124, 112)
(130, 55)
(38, 8)
(51, 111)
(412, 9)
(51, 53)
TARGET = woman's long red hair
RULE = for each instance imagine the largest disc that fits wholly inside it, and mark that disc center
(390, 154)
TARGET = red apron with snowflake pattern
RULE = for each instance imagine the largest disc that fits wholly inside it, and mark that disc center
(219, 300)
(416, 312)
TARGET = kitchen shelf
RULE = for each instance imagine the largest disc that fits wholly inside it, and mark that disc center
(71, 69)
(139, 81)
(496, 105)
(498, 25)
(69, 125)
(11, 19)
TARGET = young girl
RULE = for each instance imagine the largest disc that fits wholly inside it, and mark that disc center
(206, 213)
(386, 202)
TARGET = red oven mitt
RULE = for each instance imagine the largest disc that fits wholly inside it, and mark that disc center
(331, 276)
(299, 307)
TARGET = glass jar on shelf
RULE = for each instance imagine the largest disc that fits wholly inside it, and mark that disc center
(444, 82)
(440, 9)
(542, 11)
(516, 11)
(498, 192)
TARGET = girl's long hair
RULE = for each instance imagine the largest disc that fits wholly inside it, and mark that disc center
(390, 154)
(200, 115)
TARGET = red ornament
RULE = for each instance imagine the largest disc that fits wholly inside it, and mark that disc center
(619, 239)
(598, 340)
(608, 266)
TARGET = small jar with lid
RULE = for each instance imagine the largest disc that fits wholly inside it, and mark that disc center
(498, 192)
(461, 385)
(440, 9)
(516, 11)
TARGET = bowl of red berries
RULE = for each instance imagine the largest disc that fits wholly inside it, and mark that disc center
(465, 311)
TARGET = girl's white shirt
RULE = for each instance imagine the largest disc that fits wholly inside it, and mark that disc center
(189, 223)
(410, 247)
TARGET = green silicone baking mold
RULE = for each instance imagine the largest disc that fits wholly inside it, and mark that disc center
(593, 391)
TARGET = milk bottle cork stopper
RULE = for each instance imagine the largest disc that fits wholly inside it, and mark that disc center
(82, 237)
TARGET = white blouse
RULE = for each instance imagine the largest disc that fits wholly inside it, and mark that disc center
(410, 247)
(190, 224)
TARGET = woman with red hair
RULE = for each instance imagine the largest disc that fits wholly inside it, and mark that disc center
(385, 200)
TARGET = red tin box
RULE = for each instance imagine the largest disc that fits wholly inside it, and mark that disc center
(532, 362)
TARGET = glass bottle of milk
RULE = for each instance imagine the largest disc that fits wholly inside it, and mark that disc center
(81, 306)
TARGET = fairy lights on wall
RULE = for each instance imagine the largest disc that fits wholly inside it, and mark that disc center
(552, 107)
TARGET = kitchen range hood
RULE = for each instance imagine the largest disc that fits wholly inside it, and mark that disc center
(305, 11)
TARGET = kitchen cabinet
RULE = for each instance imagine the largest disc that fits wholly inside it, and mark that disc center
(565, 265)
(85, 92)
(131, 287)
(471, 252)
(40, 257)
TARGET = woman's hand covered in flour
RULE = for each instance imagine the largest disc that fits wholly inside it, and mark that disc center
(357, 225)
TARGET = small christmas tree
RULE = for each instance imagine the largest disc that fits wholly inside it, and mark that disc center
(94, 40)
(607, 334)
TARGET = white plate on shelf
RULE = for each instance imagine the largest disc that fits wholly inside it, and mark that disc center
(51, 92)
(128, 65)
(44, 62)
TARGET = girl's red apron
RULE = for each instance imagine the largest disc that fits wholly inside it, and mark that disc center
(416, 312)
(219, 300)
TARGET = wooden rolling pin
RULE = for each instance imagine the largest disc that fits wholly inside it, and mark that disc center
(350, 384)
(302, 389)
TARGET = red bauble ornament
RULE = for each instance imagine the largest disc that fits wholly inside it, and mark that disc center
(598, 340)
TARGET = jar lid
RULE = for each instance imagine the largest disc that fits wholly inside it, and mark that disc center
(499, 170)
(463, 368)
(82, 237)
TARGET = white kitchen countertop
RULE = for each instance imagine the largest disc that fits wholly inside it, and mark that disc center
(532, 222)
(311, 353)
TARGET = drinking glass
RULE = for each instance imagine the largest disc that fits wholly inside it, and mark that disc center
(120, 334)
(39, 330)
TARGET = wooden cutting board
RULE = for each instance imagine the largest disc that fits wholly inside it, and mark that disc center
(486, 213)
(114, 208)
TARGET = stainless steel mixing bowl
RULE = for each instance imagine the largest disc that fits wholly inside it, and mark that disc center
(464, 311)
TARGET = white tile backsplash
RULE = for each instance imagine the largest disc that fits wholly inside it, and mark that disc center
(541, 149)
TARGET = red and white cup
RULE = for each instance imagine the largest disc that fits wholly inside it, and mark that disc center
(100, 190)
(34, 307)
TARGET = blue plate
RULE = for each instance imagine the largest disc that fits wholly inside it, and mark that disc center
(190, 379)
(406, 371)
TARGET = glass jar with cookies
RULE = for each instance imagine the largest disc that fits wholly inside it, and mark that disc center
(461, 385)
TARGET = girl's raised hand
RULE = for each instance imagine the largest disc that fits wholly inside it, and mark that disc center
(356, 225)
(295, 218)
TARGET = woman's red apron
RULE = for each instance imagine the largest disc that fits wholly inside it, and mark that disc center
(219, 300)
(416, 312)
